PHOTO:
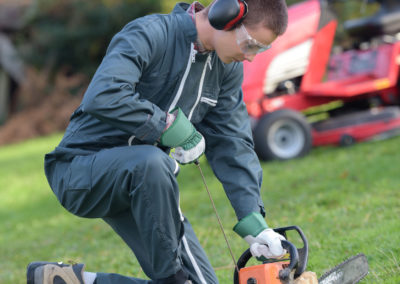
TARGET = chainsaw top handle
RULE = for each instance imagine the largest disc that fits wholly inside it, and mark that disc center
(298, 257)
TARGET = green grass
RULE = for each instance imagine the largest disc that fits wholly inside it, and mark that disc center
(346, 200)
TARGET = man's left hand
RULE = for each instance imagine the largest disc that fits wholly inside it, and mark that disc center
(267, 244)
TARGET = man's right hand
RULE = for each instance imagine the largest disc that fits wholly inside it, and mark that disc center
(263, 241)
(180, 134)
(267, 244)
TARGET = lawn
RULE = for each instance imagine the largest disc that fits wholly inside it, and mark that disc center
(346, 200)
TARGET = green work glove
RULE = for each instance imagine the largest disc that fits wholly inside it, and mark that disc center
(264, 242)
(189, 144)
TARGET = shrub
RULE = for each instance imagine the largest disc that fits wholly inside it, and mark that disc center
(75, 33)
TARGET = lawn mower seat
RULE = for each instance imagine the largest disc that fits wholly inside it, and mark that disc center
(385, 22)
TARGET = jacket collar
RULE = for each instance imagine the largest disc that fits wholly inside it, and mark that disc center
(186, 22)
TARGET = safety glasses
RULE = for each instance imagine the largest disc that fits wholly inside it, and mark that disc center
(247, 44)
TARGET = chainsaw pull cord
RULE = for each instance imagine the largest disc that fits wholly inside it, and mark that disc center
(216, 214)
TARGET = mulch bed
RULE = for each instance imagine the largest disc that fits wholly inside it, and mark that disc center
(44, 107)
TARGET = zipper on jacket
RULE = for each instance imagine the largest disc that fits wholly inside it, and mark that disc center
(208, 63)
(178, 95)
(193, 53)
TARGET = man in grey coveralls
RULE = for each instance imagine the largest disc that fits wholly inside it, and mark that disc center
(166, 82)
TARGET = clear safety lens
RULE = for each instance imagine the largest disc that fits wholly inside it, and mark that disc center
(252, 48)
(247, 44)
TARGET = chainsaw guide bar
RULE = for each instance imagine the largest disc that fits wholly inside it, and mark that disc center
(349, 271)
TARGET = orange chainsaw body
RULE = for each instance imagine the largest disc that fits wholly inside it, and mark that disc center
(267, 273)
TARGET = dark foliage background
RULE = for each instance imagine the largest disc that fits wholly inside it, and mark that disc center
(75, 33)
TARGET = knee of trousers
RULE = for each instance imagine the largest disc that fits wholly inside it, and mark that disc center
(156, 169)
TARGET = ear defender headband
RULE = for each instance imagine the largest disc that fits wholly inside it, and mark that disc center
(227, 14)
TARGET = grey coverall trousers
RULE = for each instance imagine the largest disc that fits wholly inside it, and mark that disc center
(135, 191)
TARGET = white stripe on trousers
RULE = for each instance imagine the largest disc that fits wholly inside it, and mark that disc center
(193, 260)
(189, 253)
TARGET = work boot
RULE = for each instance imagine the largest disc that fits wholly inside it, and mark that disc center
(54, 273)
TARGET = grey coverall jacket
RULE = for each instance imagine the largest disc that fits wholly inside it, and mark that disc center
(107, 166)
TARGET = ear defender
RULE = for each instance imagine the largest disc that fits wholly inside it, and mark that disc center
(227, 14)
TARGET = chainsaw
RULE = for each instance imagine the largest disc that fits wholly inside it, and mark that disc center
(287, 270)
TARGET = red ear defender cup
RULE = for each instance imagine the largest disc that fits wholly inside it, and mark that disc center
(227, 14)
(239, 18)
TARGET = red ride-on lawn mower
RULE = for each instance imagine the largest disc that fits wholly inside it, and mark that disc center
(303, 92)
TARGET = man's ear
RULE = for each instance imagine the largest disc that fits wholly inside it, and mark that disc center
(227, 14)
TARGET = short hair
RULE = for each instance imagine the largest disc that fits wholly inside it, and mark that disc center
(272, 14)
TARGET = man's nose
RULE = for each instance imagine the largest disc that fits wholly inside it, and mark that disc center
(249, 57)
